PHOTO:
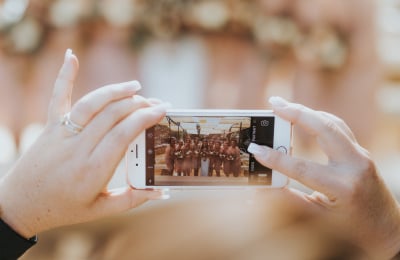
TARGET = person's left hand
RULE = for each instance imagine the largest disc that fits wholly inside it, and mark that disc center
(62, 179)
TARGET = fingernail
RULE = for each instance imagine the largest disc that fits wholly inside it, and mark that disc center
(131, 87)
(67, 67)
(68, 54)
(160, 195)
(278, 102)
(134, 84)
(257, 149)
(165, 194)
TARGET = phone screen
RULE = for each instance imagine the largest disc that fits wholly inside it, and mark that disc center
(207, 151)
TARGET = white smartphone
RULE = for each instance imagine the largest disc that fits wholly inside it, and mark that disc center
(203, 149)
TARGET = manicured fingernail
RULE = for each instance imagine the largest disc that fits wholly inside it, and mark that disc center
(134, 84)
(278, 102)
(160, 195)
(67, 67)
(165, 194)
(68, 54)
(130, 86)
(257, 149)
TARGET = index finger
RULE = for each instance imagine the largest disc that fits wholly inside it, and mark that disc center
(110, 150)
(60, 102)
(333, 140)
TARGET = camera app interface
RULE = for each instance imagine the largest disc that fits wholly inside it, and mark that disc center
(207, 151)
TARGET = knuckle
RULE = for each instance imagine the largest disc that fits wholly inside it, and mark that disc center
(338, 121)
(367, 168)
(300, 168)
(330, 126)
(366, 173)
(355, 190)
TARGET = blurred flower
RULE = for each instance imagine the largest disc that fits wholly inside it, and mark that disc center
(162, 18)
(11, 12)
(276, 30)
(210, 15)
(323, 48)
(67, 13)
(25, 37)
(118, 13)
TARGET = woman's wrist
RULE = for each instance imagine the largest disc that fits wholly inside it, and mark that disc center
(15, 244)
(390, 249)
(12, 215)
(17, 226)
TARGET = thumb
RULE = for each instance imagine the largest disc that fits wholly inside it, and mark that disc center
(60, 102)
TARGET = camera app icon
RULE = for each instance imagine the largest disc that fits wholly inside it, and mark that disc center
(264, 123)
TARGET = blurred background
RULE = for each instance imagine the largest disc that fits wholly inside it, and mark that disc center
(339, 56)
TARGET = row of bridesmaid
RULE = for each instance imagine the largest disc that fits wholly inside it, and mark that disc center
(192, 157)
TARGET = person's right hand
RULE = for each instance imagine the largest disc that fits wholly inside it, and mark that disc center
(349, 192)
(62, 179)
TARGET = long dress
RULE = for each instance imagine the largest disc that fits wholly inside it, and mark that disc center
(204, 164)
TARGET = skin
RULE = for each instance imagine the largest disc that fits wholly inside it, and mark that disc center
(348, 192)
(62, 179)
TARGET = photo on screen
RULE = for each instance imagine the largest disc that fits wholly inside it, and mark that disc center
(207, 151)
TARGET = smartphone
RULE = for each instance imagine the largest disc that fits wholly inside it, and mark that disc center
(203, 149)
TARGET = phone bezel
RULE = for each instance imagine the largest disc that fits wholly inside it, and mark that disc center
(136, 153)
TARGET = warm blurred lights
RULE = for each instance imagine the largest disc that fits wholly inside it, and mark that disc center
(277, 36)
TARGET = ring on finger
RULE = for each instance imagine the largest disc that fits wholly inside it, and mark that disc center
(70, 125)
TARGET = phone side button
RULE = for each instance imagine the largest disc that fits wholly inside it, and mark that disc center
(282, 149)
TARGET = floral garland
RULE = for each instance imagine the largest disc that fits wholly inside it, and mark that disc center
(24, 25)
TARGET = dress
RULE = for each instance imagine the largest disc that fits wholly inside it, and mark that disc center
(205, 163)
(12, 245)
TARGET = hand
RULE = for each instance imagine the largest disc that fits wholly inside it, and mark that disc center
(349, 193)
(62, 179)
